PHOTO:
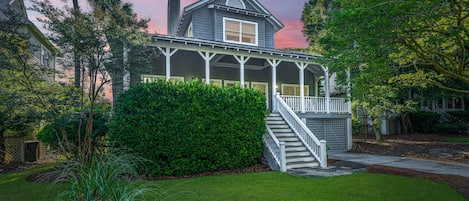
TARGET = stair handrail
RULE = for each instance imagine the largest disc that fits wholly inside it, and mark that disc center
(313, 144)
(276, 149)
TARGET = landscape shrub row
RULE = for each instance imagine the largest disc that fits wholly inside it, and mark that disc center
(429, 122)
(189, 128)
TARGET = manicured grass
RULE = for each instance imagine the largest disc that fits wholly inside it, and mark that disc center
(456, 139)
(259, 186)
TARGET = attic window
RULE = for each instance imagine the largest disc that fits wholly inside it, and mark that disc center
(239, 31)
(236, 3)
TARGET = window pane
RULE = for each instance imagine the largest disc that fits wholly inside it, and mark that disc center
(233, 36)
(249, 28)
(288, 90)
(247, 38)
(232, 25)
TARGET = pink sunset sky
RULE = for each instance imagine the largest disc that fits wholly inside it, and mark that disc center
(288, 12)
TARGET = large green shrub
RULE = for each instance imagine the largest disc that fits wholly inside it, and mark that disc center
(424, 122)
(64, 130)
(451, 128)
(461, 116)
(190, 128)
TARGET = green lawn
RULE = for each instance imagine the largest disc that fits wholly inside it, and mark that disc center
(259, 186)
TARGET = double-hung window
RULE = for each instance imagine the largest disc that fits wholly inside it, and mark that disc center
(239, 31)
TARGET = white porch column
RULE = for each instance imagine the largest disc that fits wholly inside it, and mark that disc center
(326, 89)
(207, 57)
(302, 67)
(168, 53)
(274, 63)
(242, 61)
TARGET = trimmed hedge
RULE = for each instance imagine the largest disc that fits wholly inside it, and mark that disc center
(190, 128)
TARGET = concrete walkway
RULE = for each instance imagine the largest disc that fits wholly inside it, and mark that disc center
(355, 162)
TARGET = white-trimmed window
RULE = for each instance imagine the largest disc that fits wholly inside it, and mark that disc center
(239, 31)
(293, 90)
(154, 78)
(214, 82)
(263, 87)
(231, 83)
(236, 3)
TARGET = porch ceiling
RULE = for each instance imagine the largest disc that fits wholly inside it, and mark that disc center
(258, 55)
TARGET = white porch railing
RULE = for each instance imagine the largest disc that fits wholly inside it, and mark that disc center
(316, 147)
(317, 104)
(276, 150)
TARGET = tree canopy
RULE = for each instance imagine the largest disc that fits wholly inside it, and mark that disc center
(426, 42)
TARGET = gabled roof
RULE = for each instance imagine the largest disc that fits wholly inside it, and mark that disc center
(260, 11)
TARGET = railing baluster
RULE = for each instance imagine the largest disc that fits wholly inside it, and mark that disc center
(306, 136)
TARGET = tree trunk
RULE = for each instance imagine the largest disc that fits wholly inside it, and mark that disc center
(76, 59)
(377, 128)
(117, 69)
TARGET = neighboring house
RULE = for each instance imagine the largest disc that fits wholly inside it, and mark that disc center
(229, 42)
(44, 51)
(17, 149)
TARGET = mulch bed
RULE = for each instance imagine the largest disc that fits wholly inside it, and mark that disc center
(252, 169)
(459, 183)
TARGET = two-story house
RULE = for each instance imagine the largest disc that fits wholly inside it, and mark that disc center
(228, 42)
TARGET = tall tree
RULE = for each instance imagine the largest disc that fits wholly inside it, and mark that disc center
(314, 15)
(431, 37)
(122, 28)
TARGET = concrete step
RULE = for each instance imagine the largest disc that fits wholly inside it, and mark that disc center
(274, 122)
(302, 165)
(294, 144)
(281, 130)
(288, 139)
(295, 149)
(279, 126)
(274, 118)
(274, 115)
(307, 159)
(297, 154)
(281, 135)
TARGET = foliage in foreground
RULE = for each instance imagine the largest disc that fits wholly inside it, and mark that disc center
(103, 177)
(190, 128)
(258, 186)
(62, 133)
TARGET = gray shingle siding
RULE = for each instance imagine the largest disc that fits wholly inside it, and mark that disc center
(269, 35)
(202, 23)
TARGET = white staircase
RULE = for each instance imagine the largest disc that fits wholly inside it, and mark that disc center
(296, 154)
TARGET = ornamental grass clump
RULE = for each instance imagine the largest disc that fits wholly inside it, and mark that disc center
(103, 177)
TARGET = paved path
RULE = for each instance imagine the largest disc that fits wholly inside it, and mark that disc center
(355, 162)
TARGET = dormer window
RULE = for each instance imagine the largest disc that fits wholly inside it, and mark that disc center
(240, 31)
(236, 3)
